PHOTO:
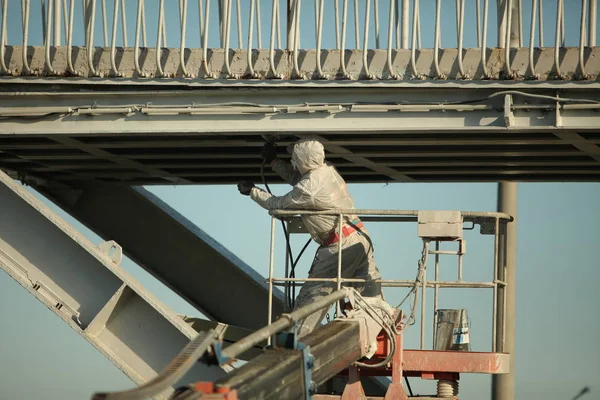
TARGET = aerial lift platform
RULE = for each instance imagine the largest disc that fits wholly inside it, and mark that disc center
(366, 337)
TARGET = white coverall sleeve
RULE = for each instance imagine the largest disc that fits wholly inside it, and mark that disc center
(297, 198)
(286, 171)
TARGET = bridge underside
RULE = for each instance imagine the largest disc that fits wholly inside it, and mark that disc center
(211, 133)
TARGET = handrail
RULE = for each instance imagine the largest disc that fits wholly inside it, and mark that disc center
(494, 222)
(324, 33)
(284, 322)
(469, 215)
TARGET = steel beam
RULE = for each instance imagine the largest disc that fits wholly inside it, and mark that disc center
(86, 287)
(512, 138)
(503, 386)
(128, 134)
(275, 117)
(278, 373)
(123, 162)
(590, 147)
(172, 249)
(356, 123)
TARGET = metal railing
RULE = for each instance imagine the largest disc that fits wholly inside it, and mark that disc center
(491, 223)
(402, 26)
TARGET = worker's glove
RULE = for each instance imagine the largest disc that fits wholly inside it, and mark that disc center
(269, 153)
(245, 187)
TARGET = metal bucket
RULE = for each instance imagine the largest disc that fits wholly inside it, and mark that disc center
(452, 330)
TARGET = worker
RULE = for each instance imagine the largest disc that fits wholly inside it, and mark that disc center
(318, 186)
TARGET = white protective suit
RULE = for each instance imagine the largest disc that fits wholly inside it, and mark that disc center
(318, 186)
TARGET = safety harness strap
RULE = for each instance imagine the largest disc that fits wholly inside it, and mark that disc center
(347, 230)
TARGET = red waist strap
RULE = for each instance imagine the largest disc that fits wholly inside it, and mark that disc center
(347, 230)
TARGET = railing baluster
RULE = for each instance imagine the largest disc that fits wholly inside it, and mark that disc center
(478, 16)
(437, 40)
(532, 39)
(562, 24)
(559, 6)
(258, 24)
(84, 11)
(457, 20)
(419, 29)
(592, 23)
(460, 27)
(337, 23)
(207, 70)
(365, 49)
(520, 8)
(49, 26)
(104, 23)
(393, 75)
(415, 25)
(25, 8)
(297, 72)
(4, 38)
(320, 73)
(397, 16)
(507, 39)
(327, 35)
(200, 21)
(316, 19)
(356, 26)
(144, 24)
(272, 49)
(113, 46)
(278, 19)
(376, 5)
(541, 23)
(163, 26)
(90, 41)
(484, 67)
(227, 37)
(159, 38)
(253, 73)
(70, 39)
(182, 23)
(43, 15)
(405, 23)
(65, 11)
(343, 40)
(582, 29)
(136, 49)
(124, 23)
(239, 23)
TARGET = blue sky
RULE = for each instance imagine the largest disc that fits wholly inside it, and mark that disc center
(558, 231)
(307, 37)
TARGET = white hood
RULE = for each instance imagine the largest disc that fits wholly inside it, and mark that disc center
(308, 155)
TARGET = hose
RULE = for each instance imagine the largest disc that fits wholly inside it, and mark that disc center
(413, 290)
(293, 262)
(387, 325)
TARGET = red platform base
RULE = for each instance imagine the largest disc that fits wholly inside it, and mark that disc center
(426, 364)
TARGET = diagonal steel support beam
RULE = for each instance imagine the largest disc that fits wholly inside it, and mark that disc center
(362, 161)
(172, 249)
(67, 141)
(580, 143)
(87, 288)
